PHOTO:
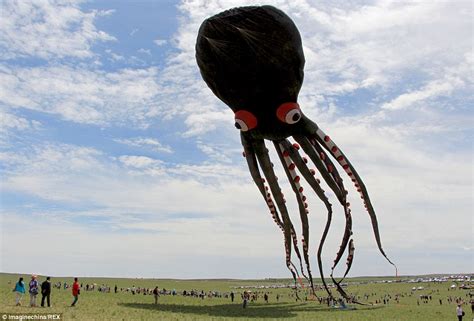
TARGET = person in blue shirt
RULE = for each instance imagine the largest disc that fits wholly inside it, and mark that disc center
(19, 290)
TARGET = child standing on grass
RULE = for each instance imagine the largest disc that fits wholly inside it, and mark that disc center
(19, 290)
(76, 290)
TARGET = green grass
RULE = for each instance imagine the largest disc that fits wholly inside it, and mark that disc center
(94, 305)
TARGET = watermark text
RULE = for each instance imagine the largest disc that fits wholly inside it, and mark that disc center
(31, 316)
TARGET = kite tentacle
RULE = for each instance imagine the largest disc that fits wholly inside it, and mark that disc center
(331, 169)
(288, 231)
(329, 173)
(350, 258)
(314, 183)
(339, 288)
(294, 179)
(310, 151)
(249, 154)
(347, 212)
(337, 153)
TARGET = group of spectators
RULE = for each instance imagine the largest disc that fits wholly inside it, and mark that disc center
(34, 290)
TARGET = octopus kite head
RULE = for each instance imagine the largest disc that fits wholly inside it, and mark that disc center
(252, 59)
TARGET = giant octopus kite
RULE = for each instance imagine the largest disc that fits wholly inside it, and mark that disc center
(252, 59)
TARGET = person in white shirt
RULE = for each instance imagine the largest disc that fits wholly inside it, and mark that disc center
(459, 312)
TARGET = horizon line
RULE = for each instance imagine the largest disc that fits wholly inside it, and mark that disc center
(234, 278)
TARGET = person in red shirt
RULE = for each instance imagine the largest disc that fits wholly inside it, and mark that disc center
(76, 290)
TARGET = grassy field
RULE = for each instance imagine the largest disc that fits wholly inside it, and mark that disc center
(95, 305)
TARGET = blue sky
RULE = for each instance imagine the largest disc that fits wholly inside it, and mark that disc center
(118, 160)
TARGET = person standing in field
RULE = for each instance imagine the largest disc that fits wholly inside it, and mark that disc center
(156, 294)
(76, 290)
(246, 299)
(232, 295)
(19, 290)
(46, 292)
(33, 290)
(459, 312)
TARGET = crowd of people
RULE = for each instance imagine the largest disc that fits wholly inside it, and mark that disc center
(34, 288)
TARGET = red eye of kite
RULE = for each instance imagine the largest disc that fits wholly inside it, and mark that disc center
(245, 120)
(289, 113)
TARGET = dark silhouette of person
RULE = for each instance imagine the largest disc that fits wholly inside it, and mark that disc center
(156, 294)
(46, 292)
(246, 298)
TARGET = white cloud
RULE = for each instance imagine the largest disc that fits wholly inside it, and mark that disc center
(138, 181)
(160, 42)
(10, 121)
(454, 78)
(431, 90)
(144, 51)
(183, 242)
(13, 126)
(144, 142)
(48, 29)
(215, 153)
(206, 121)
(114, 56)
(142, 194)
(381, 43)
(139, 161)
(81, 95)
